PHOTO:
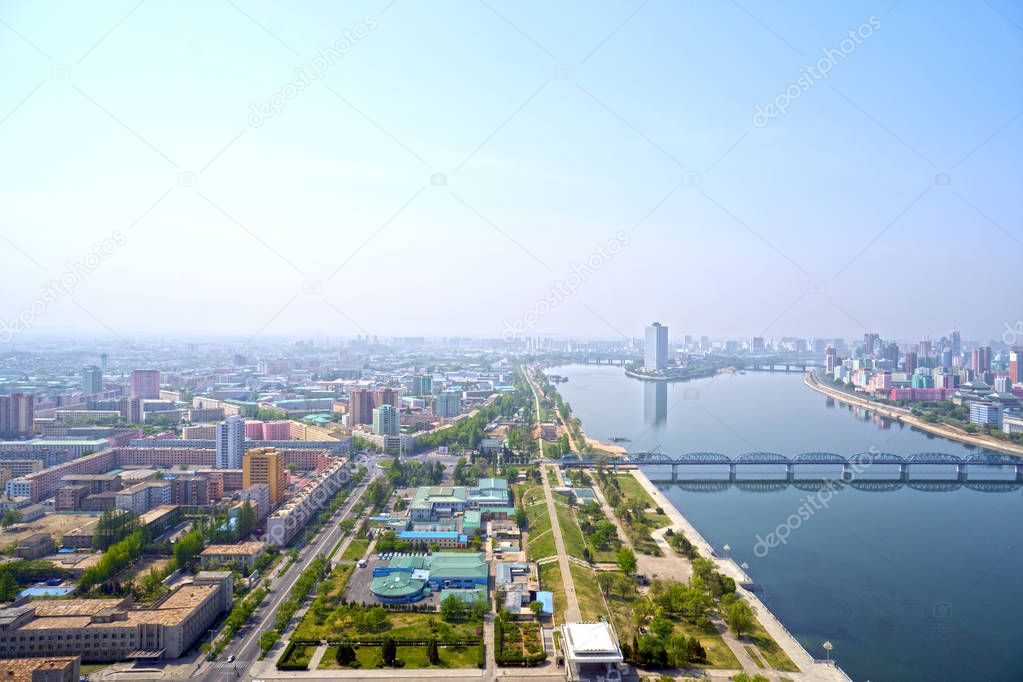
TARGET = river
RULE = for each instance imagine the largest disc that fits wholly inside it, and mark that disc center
(906, 584)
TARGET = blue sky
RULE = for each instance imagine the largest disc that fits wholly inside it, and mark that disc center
(885, 198)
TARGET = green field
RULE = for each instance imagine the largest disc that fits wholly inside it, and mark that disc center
(550, 580)
(591, 602)
(632, 489)
(570, 533)
(769, 649)
(355, 551)
(410, 657)
(339, 625)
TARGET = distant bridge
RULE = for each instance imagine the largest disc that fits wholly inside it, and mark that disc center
(851, 465)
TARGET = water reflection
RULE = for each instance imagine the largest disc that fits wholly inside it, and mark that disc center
(655, 403)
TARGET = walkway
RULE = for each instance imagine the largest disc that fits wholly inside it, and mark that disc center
(572, 613)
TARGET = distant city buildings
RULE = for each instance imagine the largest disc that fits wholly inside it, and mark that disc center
(145, 383)
(16, 416)
(92, 380)
(655, 349)
(448, 404)
(362, 402)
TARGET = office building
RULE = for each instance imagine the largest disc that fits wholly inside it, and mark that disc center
(448, 404)
(145, 384)
(16, 416)
(385, 421)
(41, 669)
(422, 385)
(265, 465)
(92, 380)
(230, 443)
(830, 357)
(1016, 365)
(980, 359)
(655, 350)
(362, 402)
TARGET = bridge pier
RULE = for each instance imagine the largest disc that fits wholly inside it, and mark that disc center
(903, 472)
(1019, 473)
(847, 472)
(731, 471)
(790, 472)
(961, 472)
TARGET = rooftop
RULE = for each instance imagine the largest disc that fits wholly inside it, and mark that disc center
(237, 549)
(21, 669)
(593, 642)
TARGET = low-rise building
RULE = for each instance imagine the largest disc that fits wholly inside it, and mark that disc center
(242, 553)
(48, 669)
(591, 651)
(35, 546)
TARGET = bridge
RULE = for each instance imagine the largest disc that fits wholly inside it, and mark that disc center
(781, 363)
(978, 463)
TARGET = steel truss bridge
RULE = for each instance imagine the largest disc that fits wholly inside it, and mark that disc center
(978, 464)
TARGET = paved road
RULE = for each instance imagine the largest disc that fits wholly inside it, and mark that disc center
(245, 647)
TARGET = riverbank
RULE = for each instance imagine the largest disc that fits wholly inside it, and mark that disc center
(905, 416)
(810, 668)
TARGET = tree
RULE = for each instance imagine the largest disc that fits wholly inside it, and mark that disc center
(661, 627)
(696, 650)
(627, 561)
(246, 520)
(452, 608)
(605, 581)
(536, 607)
(739, 617)
(677, 648)
(521, 518)
(8, 587)
(10, 517)
(389, 652)
(345, 654)
(432, 653)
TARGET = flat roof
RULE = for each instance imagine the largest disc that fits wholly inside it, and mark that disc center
(237, 549)
(593, 642)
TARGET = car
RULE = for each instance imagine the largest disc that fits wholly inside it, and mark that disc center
(230, 659)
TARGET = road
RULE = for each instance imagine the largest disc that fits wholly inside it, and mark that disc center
(245, 646)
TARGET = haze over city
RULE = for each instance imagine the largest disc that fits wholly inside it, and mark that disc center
(444, 164)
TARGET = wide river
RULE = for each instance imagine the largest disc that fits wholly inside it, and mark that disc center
(907, 584)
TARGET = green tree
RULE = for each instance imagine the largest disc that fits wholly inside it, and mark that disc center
(345, 654)
(8, 587)
(10, 517)
(627, 561)
(389, 652)
(739, 616)
(452, 608)
(677, 648)
(432, 652)
(536, 607)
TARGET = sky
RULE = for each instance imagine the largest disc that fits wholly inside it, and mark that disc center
(506, 169)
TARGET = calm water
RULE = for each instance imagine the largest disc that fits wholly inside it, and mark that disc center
(907, 585)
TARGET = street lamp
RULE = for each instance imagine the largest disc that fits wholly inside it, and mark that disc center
(827, 650)
(727, 550)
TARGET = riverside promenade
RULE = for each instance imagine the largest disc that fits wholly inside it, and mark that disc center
(907, 417)
(810, 668)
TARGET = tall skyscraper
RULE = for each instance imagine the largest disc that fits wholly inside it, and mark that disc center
(891, 354)
(362, 402)
(909, 362)
(16, 415)
(103, 362)
(422, 384)
(92, 380)
(756, 344)
(265, 465)
(230, 442)
(1016, 365)
(145, 384)
(980, 359)
(956, 342)
(830, 358)
(655, 350)
(869, 342)
(385, 421)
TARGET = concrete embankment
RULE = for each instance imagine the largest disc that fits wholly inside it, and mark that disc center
(903, 415)
(810, 669)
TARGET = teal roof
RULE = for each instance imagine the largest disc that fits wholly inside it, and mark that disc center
(471, 520)
(457, 565)
(397, 584)
(409, 562)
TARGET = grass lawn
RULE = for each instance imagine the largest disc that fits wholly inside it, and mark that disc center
(299, 656)
(400, 626)
(754, 654)
(355, 550)
(769, 649)
(410, 656)
(631, 488)
(550, 580)
(591, 602)
(570, 532)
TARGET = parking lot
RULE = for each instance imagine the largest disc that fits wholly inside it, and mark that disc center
(358, 590)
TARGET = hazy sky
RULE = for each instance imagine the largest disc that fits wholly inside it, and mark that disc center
(886, 196)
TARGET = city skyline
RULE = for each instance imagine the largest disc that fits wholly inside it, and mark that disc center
(605, 174)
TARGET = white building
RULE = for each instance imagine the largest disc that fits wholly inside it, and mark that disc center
(591, 651)
(385, 421)
(230, 443)
(655, 350)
